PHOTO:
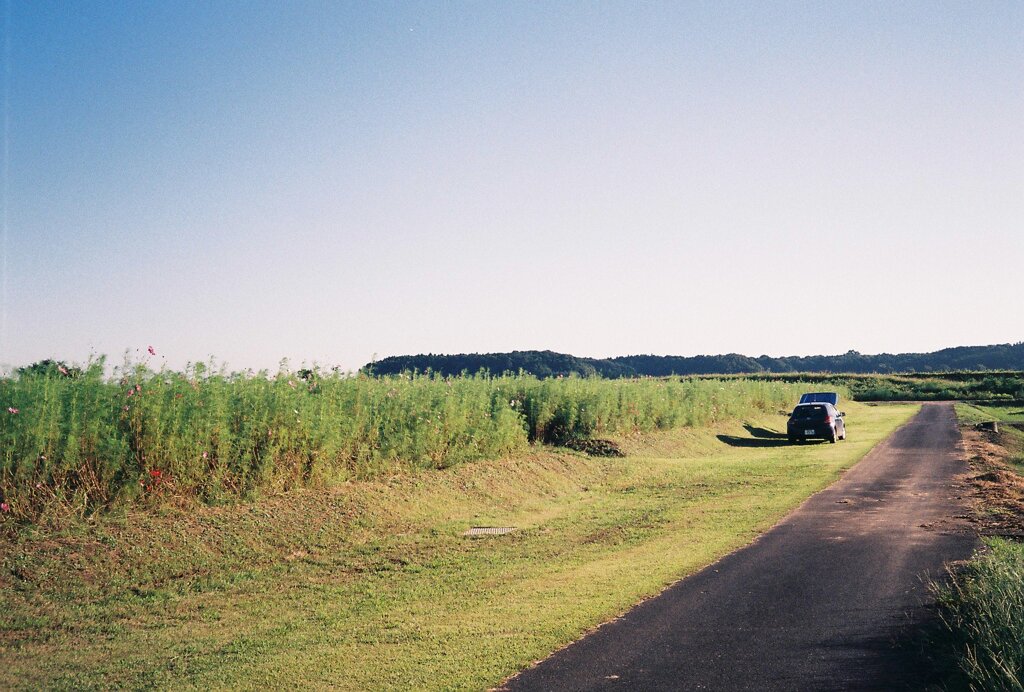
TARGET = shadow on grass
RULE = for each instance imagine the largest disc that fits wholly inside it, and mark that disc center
(759, 437)
(764, 433)
(736, 441)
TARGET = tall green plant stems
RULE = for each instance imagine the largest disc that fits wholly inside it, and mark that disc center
(87, 441)
(983, 610)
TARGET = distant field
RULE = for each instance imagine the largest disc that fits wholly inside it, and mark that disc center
(371, 585)
(1008, 413)
(996, 386)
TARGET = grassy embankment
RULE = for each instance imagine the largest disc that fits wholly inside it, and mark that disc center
(73, 440)
(370, 584)
(982, 607)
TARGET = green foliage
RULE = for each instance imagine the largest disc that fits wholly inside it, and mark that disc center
(983, 611)
(51, 367)
(560, 410)
(89, 441)
(946, 386)
(551, 364)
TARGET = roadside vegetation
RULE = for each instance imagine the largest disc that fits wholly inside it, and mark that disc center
(982, 610)
(73, 439)
(371, 584)
(981, 606)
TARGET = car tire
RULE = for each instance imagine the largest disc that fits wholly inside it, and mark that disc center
(833, 437)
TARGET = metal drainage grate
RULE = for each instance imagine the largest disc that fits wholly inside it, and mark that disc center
(489, 530)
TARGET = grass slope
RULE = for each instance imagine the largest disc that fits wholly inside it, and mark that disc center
(372, 585)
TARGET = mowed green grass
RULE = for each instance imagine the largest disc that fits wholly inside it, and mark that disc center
(373, 586)
(1008, 413)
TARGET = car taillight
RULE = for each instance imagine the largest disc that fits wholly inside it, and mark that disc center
(828, 419)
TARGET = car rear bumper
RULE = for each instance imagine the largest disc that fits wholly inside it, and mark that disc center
(810, 431)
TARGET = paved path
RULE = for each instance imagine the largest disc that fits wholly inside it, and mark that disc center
(820, 602)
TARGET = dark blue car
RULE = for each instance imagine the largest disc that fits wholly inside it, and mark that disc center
(816, 421)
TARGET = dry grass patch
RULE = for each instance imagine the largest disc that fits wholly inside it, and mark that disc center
(995, 476)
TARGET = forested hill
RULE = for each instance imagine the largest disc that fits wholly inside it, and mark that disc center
(551, 364)
(539, 363)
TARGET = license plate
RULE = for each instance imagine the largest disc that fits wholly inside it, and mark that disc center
(808, 432)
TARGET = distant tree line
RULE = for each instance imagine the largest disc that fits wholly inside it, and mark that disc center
(551, 364)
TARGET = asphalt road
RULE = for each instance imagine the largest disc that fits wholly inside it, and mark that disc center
(831, 598)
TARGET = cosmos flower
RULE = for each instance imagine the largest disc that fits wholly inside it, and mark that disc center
(152, 351)
(12, 410)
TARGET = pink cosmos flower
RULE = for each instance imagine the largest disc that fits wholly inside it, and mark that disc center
(152, 351)
(12, 410)
(204, 455)
(4, 507)
(62, 370)
(130, 392)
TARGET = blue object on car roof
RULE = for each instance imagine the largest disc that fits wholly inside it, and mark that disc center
(819, 398)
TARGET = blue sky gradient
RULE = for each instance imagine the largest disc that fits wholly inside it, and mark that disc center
(327, 181)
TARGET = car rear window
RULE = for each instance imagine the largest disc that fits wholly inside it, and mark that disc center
(809, 412)
(820, 397)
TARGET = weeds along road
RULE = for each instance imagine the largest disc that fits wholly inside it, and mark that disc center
(826, 600)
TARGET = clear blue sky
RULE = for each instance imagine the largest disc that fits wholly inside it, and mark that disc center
(326, 181)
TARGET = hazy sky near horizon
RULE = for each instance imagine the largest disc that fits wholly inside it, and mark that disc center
(331, 182)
